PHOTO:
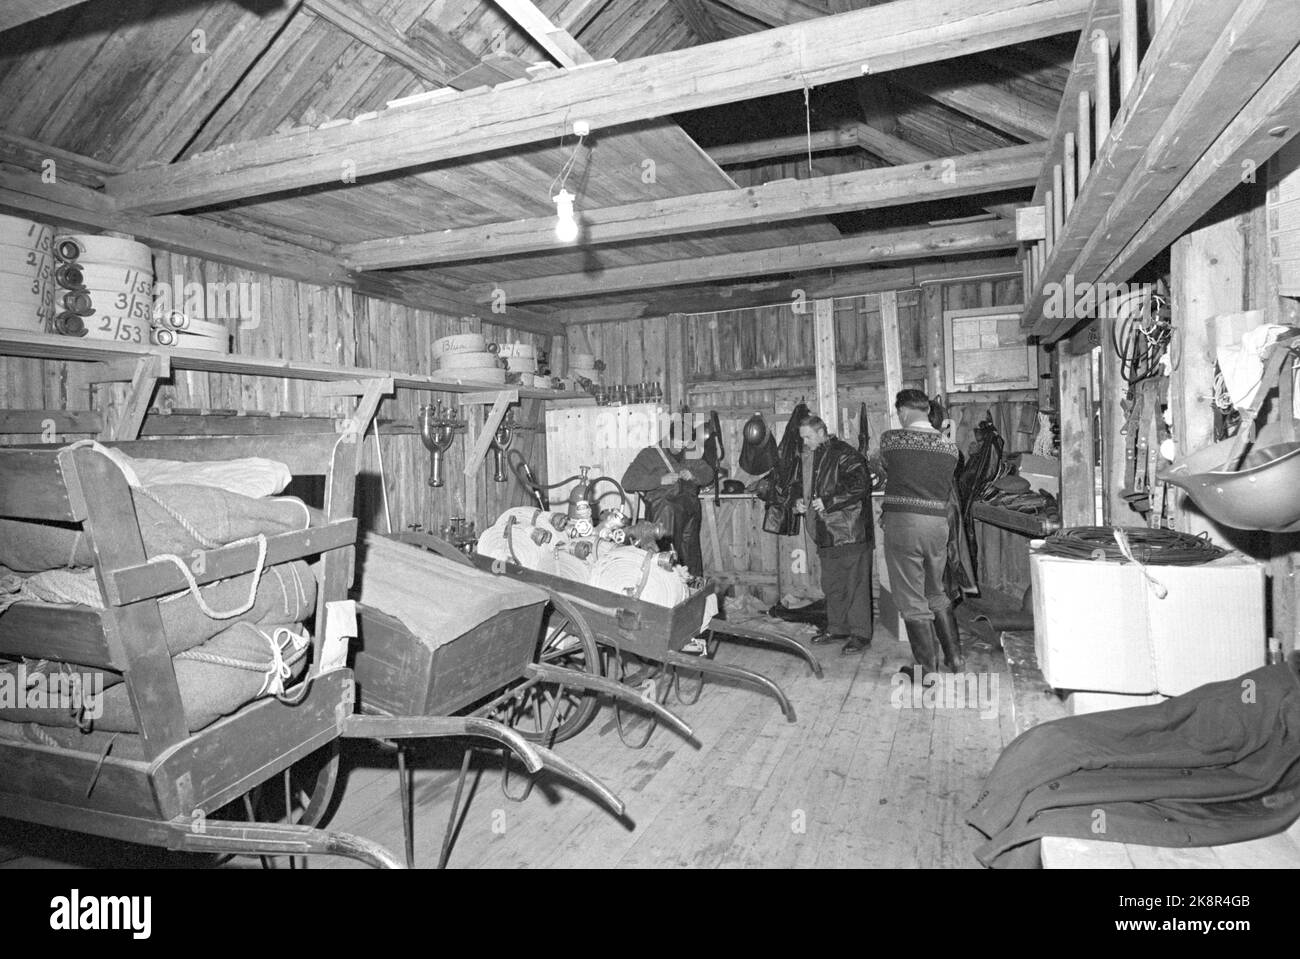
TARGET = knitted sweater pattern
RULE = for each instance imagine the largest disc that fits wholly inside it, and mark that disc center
(920, 466)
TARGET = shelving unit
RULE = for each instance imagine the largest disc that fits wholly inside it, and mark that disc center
(44, 346)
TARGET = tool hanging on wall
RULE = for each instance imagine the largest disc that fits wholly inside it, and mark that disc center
(501, 441)
(438, 426)
(1142, 332)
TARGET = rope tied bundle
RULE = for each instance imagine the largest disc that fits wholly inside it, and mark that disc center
(1136, 544)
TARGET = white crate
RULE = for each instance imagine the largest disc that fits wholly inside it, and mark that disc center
(1099, 626)
(1082, 703)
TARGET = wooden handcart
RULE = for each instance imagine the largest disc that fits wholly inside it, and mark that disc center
(534, 668)
(643, 643)
(168, 785)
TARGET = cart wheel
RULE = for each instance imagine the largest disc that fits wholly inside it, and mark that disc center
(305, 789)
(545, 712)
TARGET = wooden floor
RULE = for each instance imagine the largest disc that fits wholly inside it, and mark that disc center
(855, 782)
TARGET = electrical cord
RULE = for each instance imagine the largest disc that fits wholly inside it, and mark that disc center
(1147, 546)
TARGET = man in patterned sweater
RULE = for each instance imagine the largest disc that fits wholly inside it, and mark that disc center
(920, 464)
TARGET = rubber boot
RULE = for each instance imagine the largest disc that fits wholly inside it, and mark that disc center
(945, 627)
(925, 646)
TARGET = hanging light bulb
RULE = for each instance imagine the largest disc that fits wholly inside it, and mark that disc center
(566, 225)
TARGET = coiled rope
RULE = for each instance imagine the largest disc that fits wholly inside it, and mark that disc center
(1138, 544)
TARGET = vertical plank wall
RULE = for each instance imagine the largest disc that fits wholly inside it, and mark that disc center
(301, 321)
(761, 360)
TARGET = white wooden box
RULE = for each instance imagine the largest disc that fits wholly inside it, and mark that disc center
(1081, 703)
(1099, 626)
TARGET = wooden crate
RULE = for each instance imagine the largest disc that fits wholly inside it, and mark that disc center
(399, 675)
(632, 625)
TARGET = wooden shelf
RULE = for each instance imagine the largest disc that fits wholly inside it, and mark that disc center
(44, 346)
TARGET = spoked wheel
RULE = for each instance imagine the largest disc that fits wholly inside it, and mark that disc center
(635, 726)
(550, 713)
(301, 795)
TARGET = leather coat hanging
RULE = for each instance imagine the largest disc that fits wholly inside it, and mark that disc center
(786, 482)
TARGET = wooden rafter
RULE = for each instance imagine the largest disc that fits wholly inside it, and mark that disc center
(372, 30)
(884, 247)
(750, 293)
(987, 102)
(818, 141)
(700, 20)
(14, 13)
(70, 204)
(556, 41)
(899, 34)
(1011, 168)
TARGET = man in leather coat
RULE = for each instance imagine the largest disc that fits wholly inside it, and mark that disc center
(837, 502)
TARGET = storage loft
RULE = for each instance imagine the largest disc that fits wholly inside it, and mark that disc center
(728, 425)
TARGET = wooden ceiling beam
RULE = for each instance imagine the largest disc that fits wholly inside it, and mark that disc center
(700, 21)
(440, 50)
(775, 13)
(888, 147)
(987, 102)
(70, 205)
(779, 201)
(807, 286)
(888, 37)
(885, 247)
(556, 41)
(369, 28)
(14, 13)
(801, 144)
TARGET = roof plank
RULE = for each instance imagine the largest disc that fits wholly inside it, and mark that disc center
(892, 36)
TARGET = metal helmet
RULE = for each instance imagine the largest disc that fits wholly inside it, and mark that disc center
(1263, 494)
(755, 431)
(1252, 482)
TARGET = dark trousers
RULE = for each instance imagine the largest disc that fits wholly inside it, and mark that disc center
(846, 581)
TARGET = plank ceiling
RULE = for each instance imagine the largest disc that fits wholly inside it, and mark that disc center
(137, 82)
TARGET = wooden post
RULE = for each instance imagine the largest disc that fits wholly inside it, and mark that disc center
(1128, 47)
(1069, 166)
(1058, 201)
(1049, 224)
(1083, 126)
(675, 392)
(1101, 47)
(936, 380)
(893, 350)
(1114, 469)
(824, 351)
(1207, 267)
